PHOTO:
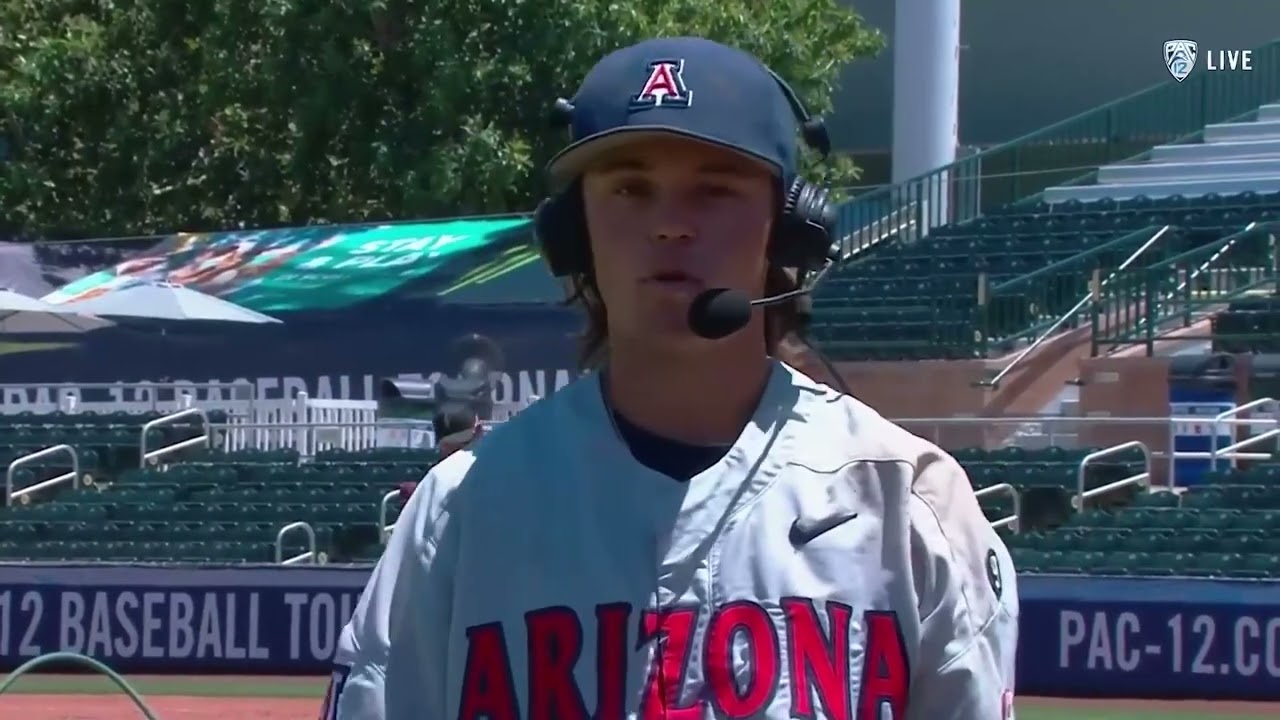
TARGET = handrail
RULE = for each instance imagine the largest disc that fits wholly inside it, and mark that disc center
(1227, 242)
(1233, 413)
(1013, 521)
(1217, 247)
(12, 472)
(1142, 478)
(1075, 309)
(311, 543)
(145, 457)
(384, 509)
(1220, 243)
(1055, 268)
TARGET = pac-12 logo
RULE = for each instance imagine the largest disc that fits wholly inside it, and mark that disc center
(1180, 57)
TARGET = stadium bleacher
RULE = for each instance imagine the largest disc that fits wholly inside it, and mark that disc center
(1233, 157)
(1229, 527)
(230, 507)
(210, 506)
(919, 300)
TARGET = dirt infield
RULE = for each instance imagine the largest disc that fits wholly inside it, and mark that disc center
(119, 707)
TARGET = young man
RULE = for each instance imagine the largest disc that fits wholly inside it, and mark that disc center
(696, 529)
(362, 646)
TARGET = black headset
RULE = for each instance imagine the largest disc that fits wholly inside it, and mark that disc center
(802, 236)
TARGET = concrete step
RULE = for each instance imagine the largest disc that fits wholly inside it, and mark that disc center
(1208, 169)
(1261, 130)
(1218, 150)
(1269, 112)
(1186, 188)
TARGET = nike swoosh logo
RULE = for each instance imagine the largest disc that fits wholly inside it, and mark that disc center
(805, 531)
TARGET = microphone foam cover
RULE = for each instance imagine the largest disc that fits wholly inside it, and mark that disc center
(719, 313)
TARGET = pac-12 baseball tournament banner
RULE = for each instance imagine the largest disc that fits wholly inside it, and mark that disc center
(333, 267)
(1080, 636)
(358, 303)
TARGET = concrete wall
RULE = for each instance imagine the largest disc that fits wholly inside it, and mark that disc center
(1026, 64)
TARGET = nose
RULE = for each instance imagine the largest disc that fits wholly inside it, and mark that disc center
(674, 221)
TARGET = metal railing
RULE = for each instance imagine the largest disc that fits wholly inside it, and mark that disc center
(1185, 287)
(1048, 424)
(1233, 449)
(1075, 310)
(1142, 479)
(309, 556)
(866, 225)
(310, 438)
(1071, 151)
(930, 427)
(154, 456)
(12, 472)
(1013, 521)
(384, 511)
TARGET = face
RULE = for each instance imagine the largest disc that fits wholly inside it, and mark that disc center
(669, 218)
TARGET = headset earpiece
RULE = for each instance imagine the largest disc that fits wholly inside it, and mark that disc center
(560, 229)
(802, 237)
(814, 132)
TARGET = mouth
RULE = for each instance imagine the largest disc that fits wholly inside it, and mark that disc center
(674, 279)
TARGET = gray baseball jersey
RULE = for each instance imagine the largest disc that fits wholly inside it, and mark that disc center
(830, 566)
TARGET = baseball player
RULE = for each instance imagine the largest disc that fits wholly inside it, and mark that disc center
(361, 654)
(694, 529)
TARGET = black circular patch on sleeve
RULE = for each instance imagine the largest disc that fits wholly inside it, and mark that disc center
(993, 573)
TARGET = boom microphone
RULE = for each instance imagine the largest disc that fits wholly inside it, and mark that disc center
(720, 312)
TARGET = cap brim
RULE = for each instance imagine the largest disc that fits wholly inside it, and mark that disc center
(575, 159)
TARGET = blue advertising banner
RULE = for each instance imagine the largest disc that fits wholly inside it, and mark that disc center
(1149, 638)
(330, 356)
(1080, 637)
(170, 620)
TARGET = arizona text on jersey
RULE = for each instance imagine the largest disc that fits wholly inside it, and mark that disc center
(831, 566)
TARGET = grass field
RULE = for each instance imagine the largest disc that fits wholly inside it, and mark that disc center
(77, 697)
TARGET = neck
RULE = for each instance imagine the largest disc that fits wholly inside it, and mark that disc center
(700, 399)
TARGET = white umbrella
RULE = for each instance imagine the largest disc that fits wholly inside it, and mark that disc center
(20, 314)
(167, 301)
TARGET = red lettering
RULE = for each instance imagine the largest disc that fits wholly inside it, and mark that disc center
(752, 623)
(672, 631)
(817, 662)
(488, 690)
(555, 644)
(611, 661)
(886, 676)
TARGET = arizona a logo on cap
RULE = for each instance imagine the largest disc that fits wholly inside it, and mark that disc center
(664, 88)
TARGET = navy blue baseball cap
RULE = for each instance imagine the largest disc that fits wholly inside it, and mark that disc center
(687, 87)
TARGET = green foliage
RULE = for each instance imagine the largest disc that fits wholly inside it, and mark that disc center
(134, 116)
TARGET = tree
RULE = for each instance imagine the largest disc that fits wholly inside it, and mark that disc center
(139, 116)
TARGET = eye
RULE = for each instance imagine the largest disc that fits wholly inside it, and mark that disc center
(631, 187)
(719, 190)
